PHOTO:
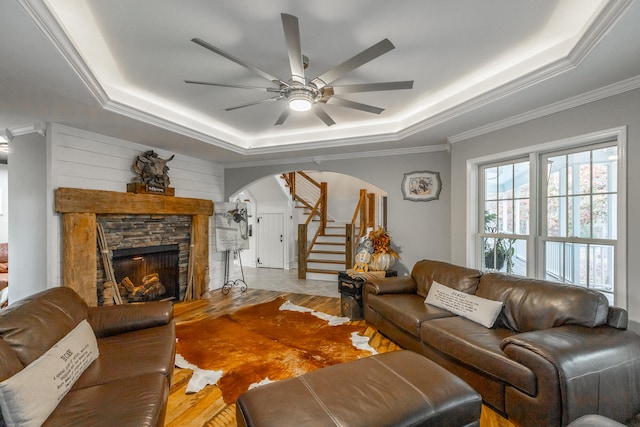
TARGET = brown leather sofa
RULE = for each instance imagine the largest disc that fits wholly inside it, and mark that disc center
(554, 354)
(127, 385)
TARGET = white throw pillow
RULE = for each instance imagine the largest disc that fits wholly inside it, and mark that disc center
(480, 310)
(31, 395)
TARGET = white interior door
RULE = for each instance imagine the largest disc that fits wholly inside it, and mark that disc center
(270, 240)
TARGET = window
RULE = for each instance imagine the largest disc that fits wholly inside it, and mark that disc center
(557, 213)
(580, 221)
(505, 217)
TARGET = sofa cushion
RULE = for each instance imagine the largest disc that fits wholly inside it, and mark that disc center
(478, 347)
(531, 305)
(459, 278)
(119, 319)
(31, 395)
(406, 311)
(9, 362)
(49, 318)
(480, 310)
(137, 401)
(147, 351)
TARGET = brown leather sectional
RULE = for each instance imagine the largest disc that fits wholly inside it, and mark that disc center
(554, 354)
(128, 385)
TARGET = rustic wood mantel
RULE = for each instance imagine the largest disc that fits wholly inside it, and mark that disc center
(79, 208)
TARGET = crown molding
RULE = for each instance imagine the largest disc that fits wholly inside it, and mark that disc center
(45, 20)
(143, 116)
(576, 101)
(345, 156)
(605, 20)
(39, 128)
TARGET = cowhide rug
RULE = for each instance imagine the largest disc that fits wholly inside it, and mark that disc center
(264, 343)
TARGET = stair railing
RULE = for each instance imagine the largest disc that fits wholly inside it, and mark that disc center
(301, 186)
(308, 192)
(363, 217)
(313, 196)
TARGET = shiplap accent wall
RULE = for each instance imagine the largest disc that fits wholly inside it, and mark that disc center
(81, 159)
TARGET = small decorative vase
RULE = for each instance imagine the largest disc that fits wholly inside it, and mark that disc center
(381, 262)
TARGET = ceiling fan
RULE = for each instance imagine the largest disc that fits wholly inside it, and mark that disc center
(303, 94)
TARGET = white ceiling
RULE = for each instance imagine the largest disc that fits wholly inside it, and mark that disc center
(118, 67)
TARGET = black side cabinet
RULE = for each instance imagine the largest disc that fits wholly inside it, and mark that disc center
(350, 289)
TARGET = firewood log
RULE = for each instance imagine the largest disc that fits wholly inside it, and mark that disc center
(155, 291)
(138, 293)
(150, 280)
(128, 284)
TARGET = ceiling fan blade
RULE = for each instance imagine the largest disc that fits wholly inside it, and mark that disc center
(355, 105)
(266, 89)
(238, 61)
(292, 37)
(362, 58)
(283, 117)
(372, 87)
(323, 115)
(275, 98)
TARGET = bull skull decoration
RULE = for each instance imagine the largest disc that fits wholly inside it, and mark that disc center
(152, 170)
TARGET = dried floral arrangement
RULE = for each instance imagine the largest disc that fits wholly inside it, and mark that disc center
(381, 241)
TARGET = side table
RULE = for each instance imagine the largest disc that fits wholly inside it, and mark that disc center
(350, 289)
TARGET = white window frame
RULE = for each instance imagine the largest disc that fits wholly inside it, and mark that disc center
(481, 208)
(568, 239)
(535, 265)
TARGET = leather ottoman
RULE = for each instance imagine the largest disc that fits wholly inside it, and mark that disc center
(594, 420)
(400, 388)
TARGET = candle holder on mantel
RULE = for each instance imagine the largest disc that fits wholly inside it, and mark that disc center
(152, 175)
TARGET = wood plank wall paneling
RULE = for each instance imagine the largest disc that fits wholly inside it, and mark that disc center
(89, 160)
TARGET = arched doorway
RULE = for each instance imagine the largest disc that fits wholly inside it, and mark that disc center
(270, 197)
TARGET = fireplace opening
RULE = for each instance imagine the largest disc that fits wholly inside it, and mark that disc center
(147, 273)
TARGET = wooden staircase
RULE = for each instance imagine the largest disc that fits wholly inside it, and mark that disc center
(328, 254)
(331, 248)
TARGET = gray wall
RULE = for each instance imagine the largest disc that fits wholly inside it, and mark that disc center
(608, 113)
(419, 229)
(30, 192)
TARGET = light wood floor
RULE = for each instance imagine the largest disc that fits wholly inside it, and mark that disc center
(206, 408)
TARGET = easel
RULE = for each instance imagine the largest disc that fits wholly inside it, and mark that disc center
(228, 284)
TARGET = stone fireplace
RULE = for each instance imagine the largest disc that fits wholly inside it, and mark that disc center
(141, 245)
(162, 215)
(148, 273)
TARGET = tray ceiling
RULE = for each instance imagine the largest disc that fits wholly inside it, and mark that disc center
(464, 57)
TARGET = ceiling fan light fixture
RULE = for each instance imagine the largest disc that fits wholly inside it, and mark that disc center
(300, 100)
(301, 93)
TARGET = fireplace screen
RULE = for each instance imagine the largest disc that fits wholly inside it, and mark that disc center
(147, 273)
